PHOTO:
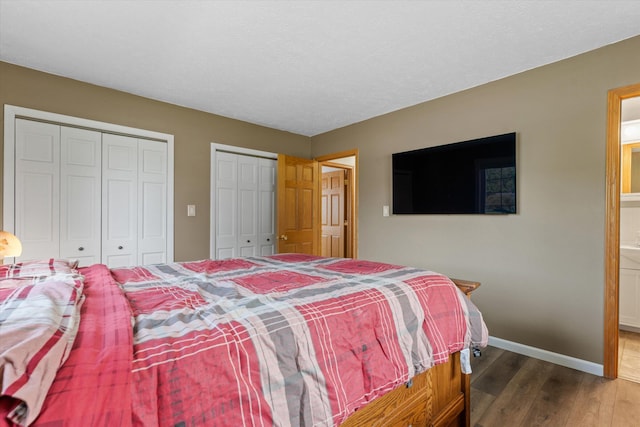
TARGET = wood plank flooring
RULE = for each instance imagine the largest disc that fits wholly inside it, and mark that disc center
(629, 356)
(509, 389)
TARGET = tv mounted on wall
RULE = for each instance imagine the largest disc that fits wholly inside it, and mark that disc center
(470, 177)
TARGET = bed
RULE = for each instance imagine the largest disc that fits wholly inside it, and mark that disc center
(285, 340)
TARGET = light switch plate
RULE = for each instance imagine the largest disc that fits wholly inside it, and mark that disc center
(191, 210)
(385, 210)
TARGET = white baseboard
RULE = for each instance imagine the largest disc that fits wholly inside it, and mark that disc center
(548, 356)
(629, 328)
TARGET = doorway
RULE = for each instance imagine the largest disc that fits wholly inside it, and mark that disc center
(612, 227)
(346, 160)
(335, 206)
(339, 204)
(629, 279)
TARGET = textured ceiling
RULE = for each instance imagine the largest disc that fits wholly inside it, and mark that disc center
(303, 66)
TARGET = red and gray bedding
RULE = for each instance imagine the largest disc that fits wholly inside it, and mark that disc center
(39, 318)
(281, 340)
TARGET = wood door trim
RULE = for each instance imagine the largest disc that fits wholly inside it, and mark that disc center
(612, 227)
(341, 154)
(354, 191)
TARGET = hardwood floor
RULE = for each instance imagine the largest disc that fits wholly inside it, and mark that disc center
(509, 389)
(629, 356)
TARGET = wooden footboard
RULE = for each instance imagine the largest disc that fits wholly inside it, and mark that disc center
(437, 397)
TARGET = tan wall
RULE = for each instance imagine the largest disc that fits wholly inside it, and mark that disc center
(542, 270)
(193, 131)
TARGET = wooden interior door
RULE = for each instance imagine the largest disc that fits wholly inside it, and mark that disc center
(298, 205)
(333, 214)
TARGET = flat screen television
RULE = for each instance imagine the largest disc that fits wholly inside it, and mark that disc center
(470, 177)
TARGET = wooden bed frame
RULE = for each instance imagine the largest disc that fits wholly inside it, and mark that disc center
(438, 397)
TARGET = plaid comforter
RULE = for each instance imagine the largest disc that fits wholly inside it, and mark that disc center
(285, 340)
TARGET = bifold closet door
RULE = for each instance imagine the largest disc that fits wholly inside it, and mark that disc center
(37, 189)
(152, 202)
(247, 180)
(57, 191)
(226, 202)
(266, 206)
(244, 205)
(119, 200)
(134, 201)
(89, 195)
(80, 199)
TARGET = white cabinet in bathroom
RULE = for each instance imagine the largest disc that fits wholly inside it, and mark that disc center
(630, 297)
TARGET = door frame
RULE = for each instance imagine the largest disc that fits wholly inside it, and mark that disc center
(11, 112)
(353, 192)
(612, 227)
(348, 174)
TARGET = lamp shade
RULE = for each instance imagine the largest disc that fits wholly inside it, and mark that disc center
(9, 245)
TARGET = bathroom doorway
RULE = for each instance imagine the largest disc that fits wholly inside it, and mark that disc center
(629, 276)
(612, 226)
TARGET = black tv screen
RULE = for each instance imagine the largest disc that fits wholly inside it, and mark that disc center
(470, 177)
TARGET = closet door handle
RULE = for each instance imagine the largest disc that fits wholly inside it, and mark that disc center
(120, 247)
(81, 248)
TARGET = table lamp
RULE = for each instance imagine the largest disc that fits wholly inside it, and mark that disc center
(10, 245)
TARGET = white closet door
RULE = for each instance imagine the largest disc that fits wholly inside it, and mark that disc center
(226, 205)
(152, 202)
(37, 189)
(247, 205)
(119, 200)
(80, 199)
(266, 206)
(243, 208)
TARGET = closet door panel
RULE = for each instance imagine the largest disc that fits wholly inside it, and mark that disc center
(266, 206)
(247, 205)
(119, 200)
(226, 205)
(244, 208)
(152, 212)
(80, 201)
(37, 189)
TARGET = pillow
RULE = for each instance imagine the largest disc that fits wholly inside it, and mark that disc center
(39, 268)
